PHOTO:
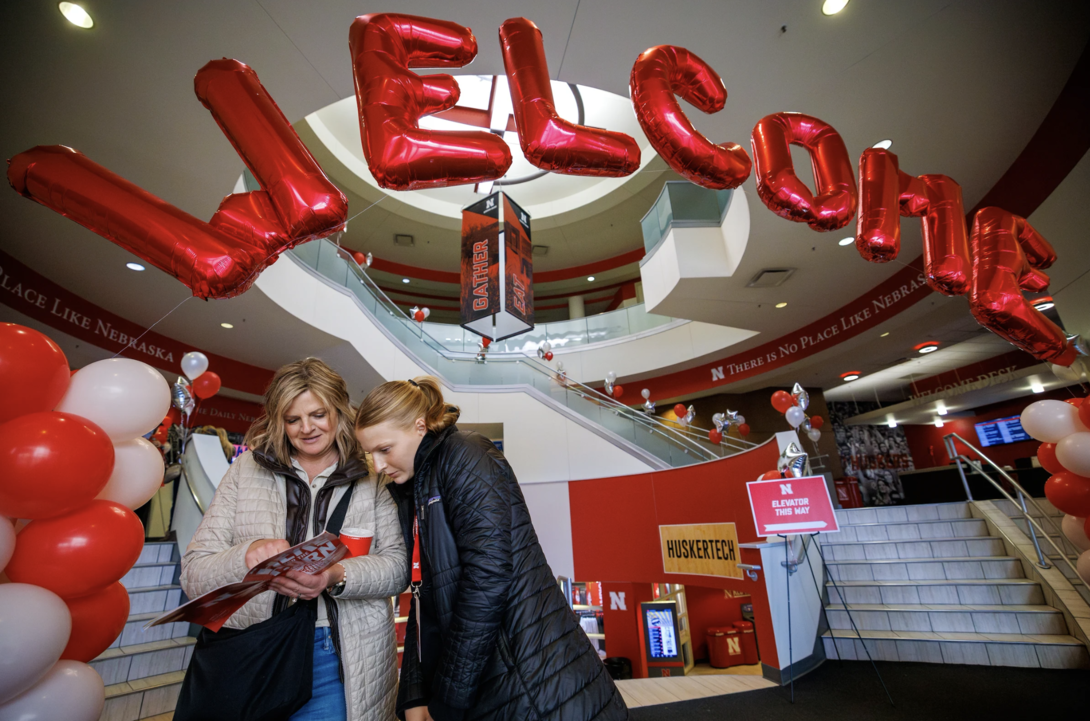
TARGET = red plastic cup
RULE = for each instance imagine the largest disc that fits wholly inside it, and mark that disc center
(358, 540)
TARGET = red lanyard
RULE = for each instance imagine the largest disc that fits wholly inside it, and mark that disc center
(417, 575)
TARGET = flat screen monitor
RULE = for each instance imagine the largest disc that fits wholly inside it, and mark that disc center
(661, 629)
(1000, 431)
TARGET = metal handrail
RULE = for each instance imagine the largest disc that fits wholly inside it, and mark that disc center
(193, 493)
(1023, 496)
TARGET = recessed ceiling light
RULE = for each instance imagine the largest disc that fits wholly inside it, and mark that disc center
(883, 144)
(884, 334)
(404, 280)
(134, 266)
(847, 241)
(1035, 385)
(929, 349)
(832, 7)
(590, 278)
(939, 423)
(76, 15)
(891, 422)
(1043, 304)
(850, 376)
(781, 305)
(929, 346)
(226, 325)
(940, 408)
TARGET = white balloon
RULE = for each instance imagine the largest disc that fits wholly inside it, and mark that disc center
(34, 628)
(1074, 530)
(1083, 566)
(1049, 421)
(814, 434)
(194, 363)
(795, 416)
(70, 691)
(645, 393)
(611, 377)
(7, 541)
(137, 476)
(124, 397)
(740, 418)
(1073, 453)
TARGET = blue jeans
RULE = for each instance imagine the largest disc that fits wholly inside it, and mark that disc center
(327, 699)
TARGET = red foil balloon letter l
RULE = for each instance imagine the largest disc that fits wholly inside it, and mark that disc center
(548, 141)
(659, 74)
(391, 100)
(216, 259)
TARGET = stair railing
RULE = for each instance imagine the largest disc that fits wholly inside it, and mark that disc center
(1022, 496)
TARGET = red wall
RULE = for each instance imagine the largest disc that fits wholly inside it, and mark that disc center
(926, 445)
(710, 607)
(622, 628)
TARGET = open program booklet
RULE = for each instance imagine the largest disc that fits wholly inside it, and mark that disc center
(214, 608)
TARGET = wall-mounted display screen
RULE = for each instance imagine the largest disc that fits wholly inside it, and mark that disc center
(1000, 431)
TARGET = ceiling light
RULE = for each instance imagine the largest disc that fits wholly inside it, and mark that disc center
(134, 266)
(590, 278)
(939, 423)
(832, 7)
(76, 15)
(1035, 385)
(226, 325)
(883, 144)
(1043, 304)
(781, 305)
(941, 409)
(891, 422)
(884, 334)
(404, 280)
(929, 346)
(847, 241)
(850, 376)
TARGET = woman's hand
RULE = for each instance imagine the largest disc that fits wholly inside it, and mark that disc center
(264, 549)
(420, 713)
(306, 586)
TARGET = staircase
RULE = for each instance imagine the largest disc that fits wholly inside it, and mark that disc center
(1051, 523)
(143, 669)
(928, 584)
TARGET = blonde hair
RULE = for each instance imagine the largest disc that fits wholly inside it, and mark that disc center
(402, 402)
(267, 433)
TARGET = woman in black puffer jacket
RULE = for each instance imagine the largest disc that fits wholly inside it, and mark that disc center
(490, 636)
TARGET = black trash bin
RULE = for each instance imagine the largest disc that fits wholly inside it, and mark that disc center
(619, 668)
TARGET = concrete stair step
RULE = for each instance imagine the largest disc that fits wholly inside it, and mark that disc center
(143, 698)
(985, 649)
(148, 575)
(926, 569)
(158, 552)
(155, 599)
(930, 548)
(1014, 510)
(915, 530)
(129, 663)
(904, 514)
(995, 591)
(1026, 619)
(135, 634)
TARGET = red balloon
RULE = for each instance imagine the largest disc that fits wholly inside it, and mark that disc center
(548, 141)
(220, 258)
(360, 259)
(715, 436)
(78, 553)
(743, 429)
(51, 463)
(207, 385)
(618, 391)
(33, 372)
(782, 400)
(1077, 402)
(780, 188)
(680, 410)
(658, 75)
(770, 476)
(1065, 490)
(1046, 455)
(817, 422)
(97, 619)
(391, 100)
(1008, 258)
(549, 356)
(174, 416)
(486, 341)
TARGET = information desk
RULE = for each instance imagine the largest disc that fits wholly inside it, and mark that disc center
(942, 484)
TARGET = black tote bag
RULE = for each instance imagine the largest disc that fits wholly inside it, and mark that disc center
(261, 673)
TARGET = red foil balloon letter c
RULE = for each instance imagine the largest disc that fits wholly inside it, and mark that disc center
(548, 141)
(658, 75)
(782, 191)
(391, 100)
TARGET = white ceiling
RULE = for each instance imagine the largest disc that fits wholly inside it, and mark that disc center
(960, 87)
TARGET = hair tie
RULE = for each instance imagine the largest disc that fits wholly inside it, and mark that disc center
(414, 383)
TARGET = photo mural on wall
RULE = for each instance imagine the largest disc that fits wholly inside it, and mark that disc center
(871, 454)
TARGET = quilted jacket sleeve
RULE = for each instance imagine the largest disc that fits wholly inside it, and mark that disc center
(475, 488)
(384, 571)
(213, 559)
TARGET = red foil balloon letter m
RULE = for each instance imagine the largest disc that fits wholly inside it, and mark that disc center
(548, 141)
(392, 99)
(220, 258)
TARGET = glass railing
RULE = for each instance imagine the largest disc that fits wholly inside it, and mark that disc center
(650, 433)
(684, 205)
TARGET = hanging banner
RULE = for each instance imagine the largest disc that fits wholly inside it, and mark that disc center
(497, 269)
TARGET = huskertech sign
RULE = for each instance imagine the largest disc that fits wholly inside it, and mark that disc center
(700, 549)
(792, 505)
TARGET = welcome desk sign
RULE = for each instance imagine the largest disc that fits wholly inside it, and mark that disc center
(701, 549)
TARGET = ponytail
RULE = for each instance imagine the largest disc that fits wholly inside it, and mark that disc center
(402, 402)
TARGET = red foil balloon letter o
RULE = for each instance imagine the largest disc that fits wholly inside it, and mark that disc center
(1007, 256)
(391, 100)
(781, 190)
(548, 141)
(658, 75)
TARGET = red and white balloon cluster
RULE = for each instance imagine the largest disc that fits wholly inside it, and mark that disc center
(419, 314)
(648, 404)
(685, 416)
(612, 387)
(793, 405)
(363, 261)
(198, 382)
(1064, 431)
(545, 351)
(724, 422)
(793, 463)
(73, 463)
(482, 348)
